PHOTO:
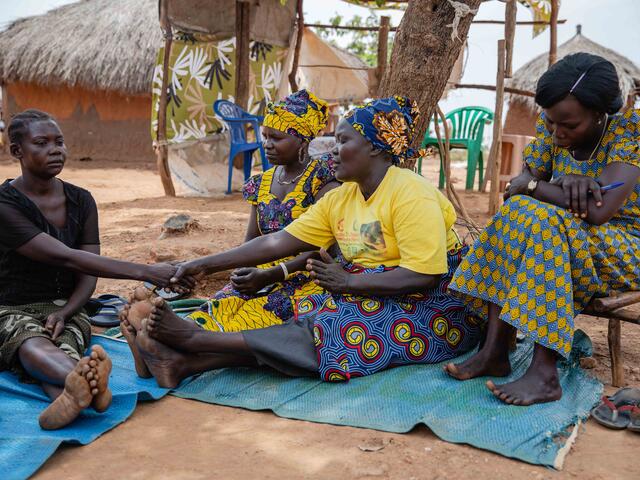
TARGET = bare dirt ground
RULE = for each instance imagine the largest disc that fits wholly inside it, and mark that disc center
(176, 438)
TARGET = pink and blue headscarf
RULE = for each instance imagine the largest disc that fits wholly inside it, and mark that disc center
(389, 124)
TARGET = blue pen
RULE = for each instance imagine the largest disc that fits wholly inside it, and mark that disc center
(611, 186)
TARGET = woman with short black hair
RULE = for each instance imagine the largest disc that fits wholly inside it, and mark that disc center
(560, 238)
(49, 260)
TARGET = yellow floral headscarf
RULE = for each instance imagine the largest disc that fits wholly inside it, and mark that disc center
(301, 114)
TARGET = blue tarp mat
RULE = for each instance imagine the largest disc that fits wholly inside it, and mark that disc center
(24, 446)
(399, 399)
(394, 401)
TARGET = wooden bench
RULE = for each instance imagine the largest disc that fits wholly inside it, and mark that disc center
(616, 308)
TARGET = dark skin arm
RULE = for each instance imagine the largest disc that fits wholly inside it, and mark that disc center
(262, 249)
(46, 249)
(282, 244)
(572, 191)
(249, 280)
(253, 230)
(85, 286)
(400, 281)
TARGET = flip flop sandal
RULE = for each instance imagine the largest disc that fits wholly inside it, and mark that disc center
(106, 316)
(634, 422)
(95, 304)
(169, 296)
(110, 299)
(615, 411)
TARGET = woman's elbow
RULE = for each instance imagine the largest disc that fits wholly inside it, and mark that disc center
(434, 281)
(65, 257)
(598, 218)
(427, 282)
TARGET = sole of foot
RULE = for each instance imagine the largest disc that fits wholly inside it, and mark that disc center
(100, 364)
(163, 362)
(75, 397)
(140, 307)
(129, 332)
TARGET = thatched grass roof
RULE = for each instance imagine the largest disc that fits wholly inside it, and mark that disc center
(527, 76)
(96, 44)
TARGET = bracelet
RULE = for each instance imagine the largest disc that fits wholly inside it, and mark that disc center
(284, 270)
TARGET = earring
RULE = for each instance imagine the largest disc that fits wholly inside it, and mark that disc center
(301, 156)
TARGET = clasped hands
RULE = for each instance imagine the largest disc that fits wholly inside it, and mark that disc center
(182, 277)
(328, 274)
(576, 190)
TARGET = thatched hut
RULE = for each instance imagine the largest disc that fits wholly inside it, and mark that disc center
(523, 111)
(90, 64)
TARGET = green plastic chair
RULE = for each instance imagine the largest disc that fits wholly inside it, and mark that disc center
(467, 128)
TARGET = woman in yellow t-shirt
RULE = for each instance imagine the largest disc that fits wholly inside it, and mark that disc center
(388, 303)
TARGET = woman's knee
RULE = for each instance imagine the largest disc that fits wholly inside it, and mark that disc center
(35, 350)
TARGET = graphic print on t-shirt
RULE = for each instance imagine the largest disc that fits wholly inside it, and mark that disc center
(359, 238)
(372, 237)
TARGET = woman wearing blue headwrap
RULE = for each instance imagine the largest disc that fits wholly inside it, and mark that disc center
(388, 303)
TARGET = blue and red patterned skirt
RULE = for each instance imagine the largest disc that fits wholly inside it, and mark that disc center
(356, 336)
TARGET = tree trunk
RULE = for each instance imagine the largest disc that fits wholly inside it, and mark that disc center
(424, 54)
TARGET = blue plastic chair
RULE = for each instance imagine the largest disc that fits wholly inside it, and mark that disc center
(236, 118)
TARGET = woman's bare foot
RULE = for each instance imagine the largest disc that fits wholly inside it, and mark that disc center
(140, 306)
(129, 333)
(75, 397)
(100, 364)
(529, 389)
(481, 364)
(539, 384)
(168, 328)
(164, 363)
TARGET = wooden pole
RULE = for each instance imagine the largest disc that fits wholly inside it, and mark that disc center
(394, 29)
(553, 33)
(496, 145)
(452, 195)
(509, 35)
(615, 351)
(243, 39)
(296, 53)
(515, 91)
(162, 150)
(383, 43)
(629, 315)
(624, 299)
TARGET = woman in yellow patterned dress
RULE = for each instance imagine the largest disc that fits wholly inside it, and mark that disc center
(263, 296)
(559, 239)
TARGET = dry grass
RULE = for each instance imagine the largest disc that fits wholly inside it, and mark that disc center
(526, 77)
(95, 44)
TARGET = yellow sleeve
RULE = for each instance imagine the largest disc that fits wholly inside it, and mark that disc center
(314, 225)
(626, 143)
(421, 233)
(538, 154)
